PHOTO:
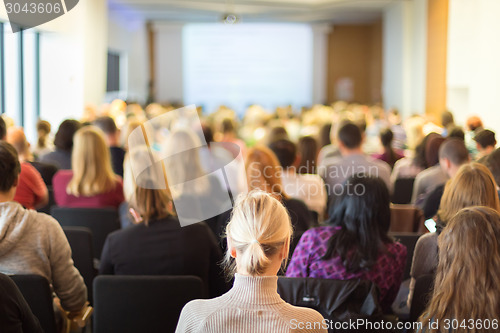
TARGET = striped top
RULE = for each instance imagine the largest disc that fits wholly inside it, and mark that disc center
(252, 305)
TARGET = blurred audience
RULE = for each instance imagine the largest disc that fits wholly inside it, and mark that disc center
(91, 182)
(485, 143)
(112, 136)
(63, 142)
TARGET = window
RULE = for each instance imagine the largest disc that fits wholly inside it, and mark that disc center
(20, 76)
(113, 75)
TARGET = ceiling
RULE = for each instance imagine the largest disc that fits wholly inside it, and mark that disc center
(311, 11)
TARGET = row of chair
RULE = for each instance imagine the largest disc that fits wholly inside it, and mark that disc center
(153, 303)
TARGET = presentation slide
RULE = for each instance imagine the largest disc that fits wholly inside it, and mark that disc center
(243, 64)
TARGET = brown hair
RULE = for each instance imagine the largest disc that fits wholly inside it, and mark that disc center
(9, 166)
(264, 171)
(473, 185)
(151, 204)
(468, 273)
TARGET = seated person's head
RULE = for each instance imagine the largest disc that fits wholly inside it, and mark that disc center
(386, 137)
(91, 164)
(473, 185)
(492, 162)
(473, 123)
(108, 126)
(452, 155)
(258, 235)
(263, 170)
(457, 132)
(485, 139)
(150, 204)
(433, 143)
(9, 169)
(64, 136)
(286, 151)
(3, 129)
(364, 216)
(16, 137)
(467, 275)
(349, 137)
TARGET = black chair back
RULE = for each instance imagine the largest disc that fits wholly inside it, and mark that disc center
(36, 291)
(409, 240)
(336, 300)
(46, 209)
(80, 241)
(421, 296)
(100, 221)
(142, 303)
(403, 190)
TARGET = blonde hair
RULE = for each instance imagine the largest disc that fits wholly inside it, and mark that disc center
(91, 164)
(264, 171)
(468, 273)
(258, 229)
(473, 185)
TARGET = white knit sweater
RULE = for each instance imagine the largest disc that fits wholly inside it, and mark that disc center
(252, 305)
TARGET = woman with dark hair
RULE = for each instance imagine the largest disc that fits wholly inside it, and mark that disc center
(354, 244)
(390, 156)
(308, 151)
(63, 142)
(410, 167)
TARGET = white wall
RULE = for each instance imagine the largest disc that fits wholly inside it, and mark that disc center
(128, 36)
(473, 72)
(168, 62)
(404, 56)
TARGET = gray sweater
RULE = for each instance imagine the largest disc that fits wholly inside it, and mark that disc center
(252, 305)
(34, 243)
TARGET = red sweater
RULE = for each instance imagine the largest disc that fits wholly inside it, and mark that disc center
(112, 198)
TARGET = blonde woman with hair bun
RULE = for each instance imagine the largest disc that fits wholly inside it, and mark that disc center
(258, 239)
(91, 182)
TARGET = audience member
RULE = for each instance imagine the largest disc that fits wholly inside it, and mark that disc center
(31, 190)
(3, 129)
(448, 122)
(456, 132)
(354, 244)
(485, 143)
(63, 142)
(410, 167)
(112, 135)
(434, 175)
(389, 156)
(473, 185)
(158, 245)
(91, 183)
(352, 162)
(230, 139)
(258, 240)
(264, 173)
(492, 162)
(308, 153)
(34, 243)
(17, 138)
(395, 121)
(473, 125)
(452, 155)
(324, 135)
(309, 188)
(43, 144)
(194, 190)
(15, 313)
(468, 273)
